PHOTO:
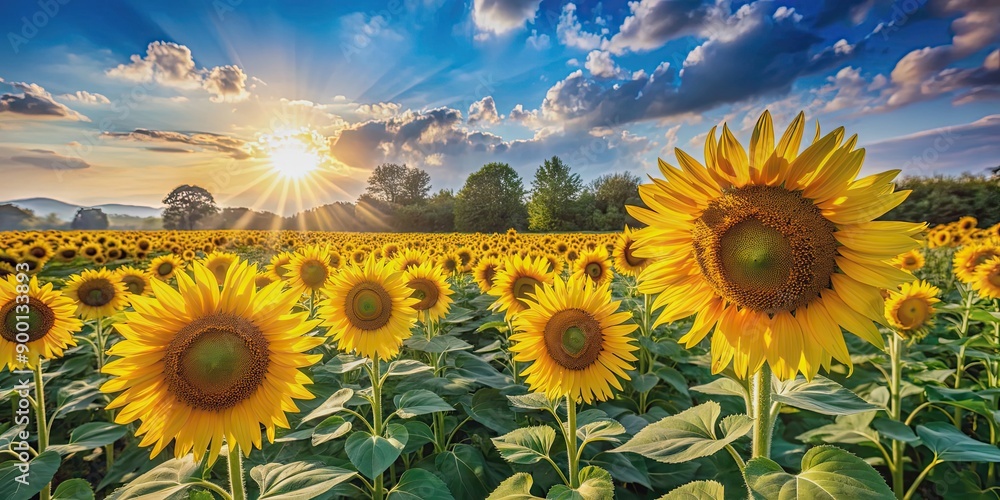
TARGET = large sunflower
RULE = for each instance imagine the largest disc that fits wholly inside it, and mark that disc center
(97, 293)
(431, 288)
(626, 263)
(577, 342)
(199, 365)
(775, 250)
(219, 263)
(166, 266)
(518, 278)
(969, 257)
(987, 279)
(309, 269)
(369, 309)
(909, 311)
(45, 324)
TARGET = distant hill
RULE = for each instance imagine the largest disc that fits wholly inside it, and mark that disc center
(66, 211)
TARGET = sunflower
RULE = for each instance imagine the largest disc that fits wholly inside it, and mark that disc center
(198, 365)
(309, 269)
(409, 258)
(137, 281)
(518, 278)
(97, 293)
(626, 263)
(485, 272)
(969, 257)
(909, 261)
(430, 287)
(576, 341)
(219, 263)
(909, 311)
(48, 315)
(594, 264)
(987, 279)
(66, 253)
(166, 266)
(369, 309)
(967, 223)
(276, 269)
(450, 262)
(775, 251)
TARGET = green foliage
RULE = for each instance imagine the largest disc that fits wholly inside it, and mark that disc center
(90, 218)
(492, 200)
(553, 192)
(186, 206)
(940, 199)
(827, 473)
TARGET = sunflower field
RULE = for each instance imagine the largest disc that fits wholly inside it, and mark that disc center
(764, 335)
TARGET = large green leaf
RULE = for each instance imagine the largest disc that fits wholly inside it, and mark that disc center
(847, 429)
(533, 401)
(688, 435)
(595, 484)
(821, 395)
(526, 445)
(963, 398)
(73, 489)
(437, 344)
(419, 484)
(297, 480)
(21, 484)
(372, 455)
(951, 445)
(491, 409)
(516, 487)
(603, 429)
(419, 434)
(419, 402)
(89, 436)
(697, 490)
(722, 386)
(405, 367)
(165, 481)
(827, 473)
(464, 471)
(895, 430)
(332, 405)
(330, 428)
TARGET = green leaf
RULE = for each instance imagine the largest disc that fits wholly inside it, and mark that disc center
(697, 490)
(419, 484)
(526, 445)
(491, 409)
(827, 473)
(645, 382)
(604, 429)
(297, 480)
(333, 404)
(895, 430)
(847, 429)
(418, 434)
(951, 445)
(344, 363)
(516, 487)
(20, 481)
(499, 325)
(73, 489)
(687, 435)
(404, 367)
(163, 481)
(674, 378)
(821, 395)
(332, 428)
(722, 386)
(89, 436)
(372, 455)
(533, 401)
(464, 471)
(962, 398)
(595, 484)
(437, 344)
(419, 402)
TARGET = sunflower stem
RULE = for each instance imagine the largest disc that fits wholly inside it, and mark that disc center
(960, 361)
(574, 460)
(236, 486)
(763, 426)
(896, 412)
(43, 427)
(376, 376)
(99, 329)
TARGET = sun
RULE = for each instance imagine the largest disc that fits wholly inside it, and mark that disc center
(293, 153)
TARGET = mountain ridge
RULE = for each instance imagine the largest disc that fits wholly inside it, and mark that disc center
(66, 211)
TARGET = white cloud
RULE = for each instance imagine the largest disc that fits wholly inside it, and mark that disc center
(484, 111)
(570, 31)
(538, 41)
(82, 96)
(600, 65)
(502, 16)
(172, 65)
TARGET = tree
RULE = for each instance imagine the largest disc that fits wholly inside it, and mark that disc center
(940, 199)
(554, 192)
(186, 205)
(13, 217)
(90, 218)
(416, 186)
(612, 192)
(492, 200)
(436, 215)
(398, 184)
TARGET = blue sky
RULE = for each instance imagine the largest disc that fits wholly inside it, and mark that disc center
(120, 101)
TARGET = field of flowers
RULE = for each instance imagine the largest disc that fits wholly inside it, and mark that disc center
(762, 336)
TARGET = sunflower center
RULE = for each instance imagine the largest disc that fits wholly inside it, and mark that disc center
(994, 277)
(96, 293)
(216, 362)
(913, 312)
(523, 286)
(314, 273)
(134, 284)
(425, 291)
(369, 306)
(765, 248)
(594, 270)
(39, 319)
(631, 259)
(573, 339)
(165, 269)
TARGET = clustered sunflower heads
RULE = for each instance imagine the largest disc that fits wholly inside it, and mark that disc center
(772, 249)
(970, 257)
(910, 310)
(576, 341)
(50, 318)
